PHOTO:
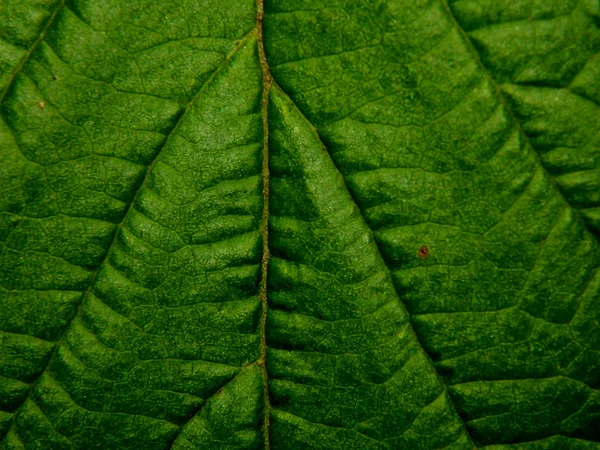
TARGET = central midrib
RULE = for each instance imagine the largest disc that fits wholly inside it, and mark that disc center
(267, 81)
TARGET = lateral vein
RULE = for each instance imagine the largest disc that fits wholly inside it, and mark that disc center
(502, 100)
(87, 292)
(27, 56)
(388, 271)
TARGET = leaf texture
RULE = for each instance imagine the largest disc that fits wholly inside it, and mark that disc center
(341, 224)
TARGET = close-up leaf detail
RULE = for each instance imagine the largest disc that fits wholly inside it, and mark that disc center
(300, 224)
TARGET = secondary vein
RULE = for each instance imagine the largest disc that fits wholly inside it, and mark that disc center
(502, 100)
(32, 49)
(388, 270)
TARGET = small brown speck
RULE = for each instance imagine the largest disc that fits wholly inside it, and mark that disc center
(42, 105)
(423, 252)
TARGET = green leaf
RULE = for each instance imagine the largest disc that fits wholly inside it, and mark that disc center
(299, 224)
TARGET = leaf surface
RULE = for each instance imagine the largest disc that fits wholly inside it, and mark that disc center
(335, 224)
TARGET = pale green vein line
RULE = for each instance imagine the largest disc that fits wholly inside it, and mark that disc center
(139, 189)
(32, 49)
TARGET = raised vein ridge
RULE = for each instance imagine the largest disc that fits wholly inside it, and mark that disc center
(312, 205)
(502, 100)
(267, 81)
(32, 49)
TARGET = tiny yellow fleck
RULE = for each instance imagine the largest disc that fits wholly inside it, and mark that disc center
(42, 105)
